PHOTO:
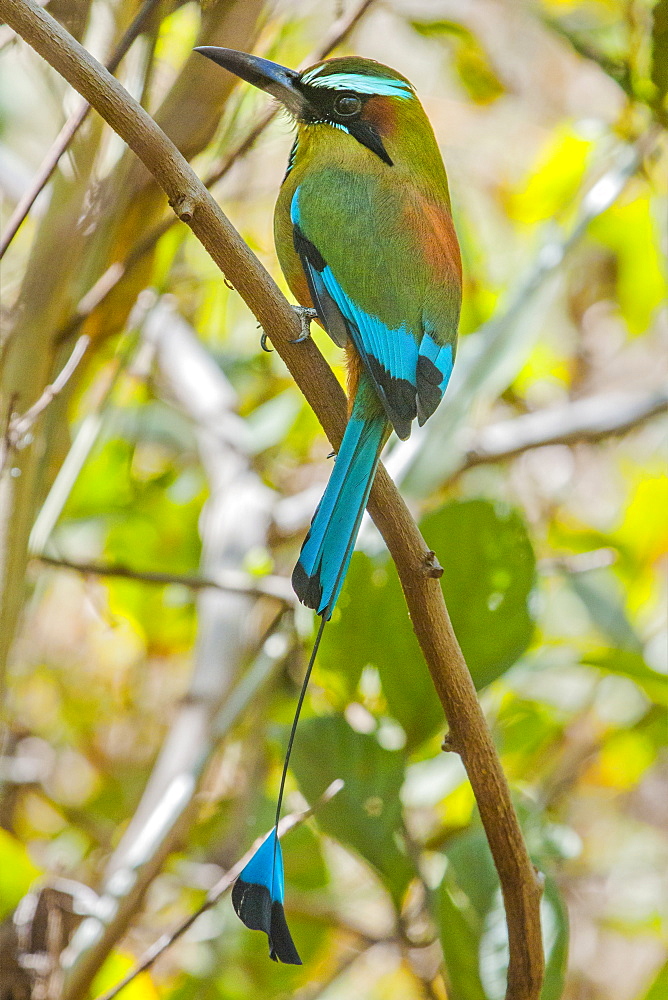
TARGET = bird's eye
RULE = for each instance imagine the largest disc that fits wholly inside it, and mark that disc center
(347, 105)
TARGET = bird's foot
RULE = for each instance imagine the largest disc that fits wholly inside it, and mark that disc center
(305, 315)
(263, 343)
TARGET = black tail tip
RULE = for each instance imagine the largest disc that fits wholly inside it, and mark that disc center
(255, 908)
(307, 588)
(281, 946)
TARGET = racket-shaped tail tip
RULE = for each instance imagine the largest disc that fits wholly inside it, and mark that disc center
(257, 898)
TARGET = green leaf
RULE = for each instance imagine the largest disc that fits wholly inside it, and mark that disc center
(489, 572)
(348, 644)
(603, 598)
(659, 988)
(17, 873)
(270, 423)
(659, 71)
(627, 663)
(473, 868)
(470, 59)
(305, 866)
(434, 29)
(554, 925)
(629, 229)
(555, 178)
(351, 642)
(460, 938)
(494, 946)
(476, 73)
(366, 814)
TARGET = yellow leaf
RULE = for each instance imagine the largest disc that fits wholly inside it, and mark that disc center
(629, 230)
(555, 179)
(622, 761)
(117, 965)
(17, 872)
(645, 526)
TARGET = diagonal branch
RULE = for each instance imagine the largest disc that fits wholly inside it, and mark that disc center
(468, 730)
(591, 419)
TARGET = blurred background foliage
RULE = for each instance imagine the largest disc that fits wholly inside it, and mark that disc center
(146, 714)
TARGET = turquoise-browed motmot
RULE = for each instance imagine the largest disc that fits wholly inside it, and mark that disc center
(364, 235)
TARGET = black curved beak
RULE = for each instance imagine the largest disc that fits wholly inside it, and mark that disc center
(277, 80)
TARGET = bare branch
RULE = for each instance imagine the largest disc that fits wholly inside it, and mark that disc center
(214, 894)
(338, 32)
(19, 425)
(229, 581)
(521, 889)
(591, 419)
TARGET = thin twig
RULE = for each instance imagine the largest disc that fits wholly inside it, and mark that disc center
(236, 519)
(579, 562)
(339, 31)
(68, 131)
(192, 202)
(22, 424)
(217, 891)
(591, 419)
(229, 581)
(19, 425)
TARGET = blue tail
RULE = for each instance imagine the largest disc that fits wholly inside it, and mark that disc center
(325, 555)
(257, 897)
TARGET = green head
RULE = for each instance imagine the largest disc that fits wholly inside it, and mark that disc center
(373, 104)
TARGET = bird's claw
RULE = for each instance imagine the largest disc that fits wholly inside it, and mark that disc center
(305, 315)
(263, 343)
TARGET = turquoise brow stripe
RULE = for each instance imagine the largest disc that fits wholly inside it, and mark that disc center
(359, 83)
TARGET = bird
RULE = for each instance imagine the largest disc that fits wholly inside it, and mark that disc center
(365, 237)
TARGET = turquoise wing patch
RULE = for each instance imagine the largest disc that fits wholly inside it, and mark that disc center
(390, 356)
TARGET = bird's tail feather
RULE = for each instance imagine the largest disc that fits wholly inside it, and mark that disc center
(257, 897)
(258, 892)
(327, 549)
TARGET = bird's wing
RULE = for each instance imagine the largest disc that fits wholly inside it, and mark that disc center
(389, 354)
(369, 283)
